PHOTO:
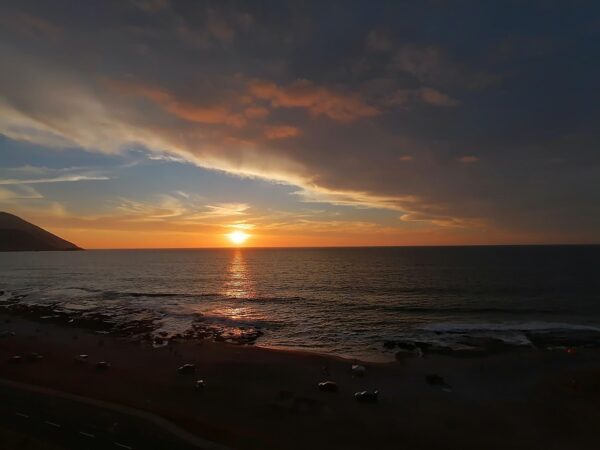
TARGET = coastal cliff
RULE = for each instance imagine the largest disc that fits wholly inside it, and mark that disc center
(17, 235)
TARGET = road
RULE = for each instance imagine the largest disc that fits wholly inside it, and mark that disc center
(71, 422)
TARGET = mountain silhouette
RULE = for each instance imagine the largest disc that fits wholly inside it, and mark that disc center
(17, 235)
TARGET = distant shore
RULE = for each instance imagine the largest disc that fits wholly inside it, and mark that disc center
(257, 398)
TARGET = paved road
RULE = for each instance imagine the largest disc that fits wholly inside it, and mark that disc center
(76, 423)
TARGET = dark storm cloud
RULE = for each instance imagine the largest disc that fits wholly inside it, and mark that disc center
(454, 114)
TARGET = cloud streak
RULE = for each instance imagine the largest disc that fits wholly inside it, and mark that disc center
(60, 179)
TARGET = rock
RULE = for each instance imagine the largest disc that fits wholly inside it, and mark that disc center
(435, 380)
(406, 345)
(15, 359)
(328, 386)
(389, 344)
(102, 365)
(359, 370)
(367, 396)
(186, 369)
(81, 358)
(200, 385)
(401, 354)
(33, 357)
(286, 395)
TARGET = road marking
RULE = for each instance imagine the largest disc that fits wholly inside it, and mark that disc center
(52, 424)
(123, 446)
(25, 416)
(158, 421)
(83, 433)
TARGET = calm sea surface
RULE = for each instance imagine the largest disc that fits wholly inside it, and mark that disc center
(343, 301)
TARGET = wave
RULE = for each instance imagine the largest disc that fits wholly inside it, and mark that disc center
(471, 310)
(539, 326)
(112, 295)
(492, 337)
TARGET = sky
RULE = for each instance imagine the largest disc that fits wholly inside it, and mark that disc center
(167, 123)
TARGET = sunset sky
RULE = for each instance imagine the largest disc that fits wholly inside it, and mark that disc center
(164, 123)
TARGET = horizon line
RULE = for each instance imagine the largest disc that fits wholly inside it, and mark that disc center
(348, 246)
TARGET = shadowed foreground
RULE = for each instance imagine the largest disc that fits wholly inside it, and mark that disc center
(258, 398)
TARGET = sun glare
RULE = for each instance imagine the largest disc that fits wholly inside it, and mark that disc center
(238, 237)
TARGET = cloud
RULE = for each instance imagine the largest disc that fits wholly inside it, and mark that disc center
(435, 97)
(425, 95)
(165, 207)
(426, 63)
(181, 208)
(210, 114)
(317, 100)
(208, 94)
(167, 158)
(379, 42)
(468, 159)
(353, 199)
(61, 179)
(32, 25)
(281, 132)
(256, 112)
(227, 209)
(443, 221)
(152, 6)
(19, 193)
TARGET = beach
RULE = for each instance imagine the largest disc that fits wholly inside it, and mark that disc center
(259, 398)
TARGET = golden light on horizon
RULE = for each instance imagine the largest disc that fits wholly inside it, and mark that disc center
(238, 237)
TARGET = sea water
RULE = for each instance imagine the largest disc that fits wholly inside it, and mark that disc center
(354, 302)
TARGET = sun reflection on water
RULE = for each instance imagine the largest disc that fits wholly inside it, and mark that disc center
(238, 283)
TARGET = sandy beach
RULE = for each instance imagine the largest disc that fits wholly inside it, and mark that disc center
(256, 398)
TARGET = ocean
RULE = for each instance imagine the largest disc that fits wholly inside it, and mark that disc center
(367, 303)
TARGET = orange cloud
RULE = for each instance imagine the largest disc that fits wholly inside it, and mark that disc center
(256, 112)
(468, 159)
(425, 94)
(317, 100)
(215, 114)
(212, 115)
(281, 132)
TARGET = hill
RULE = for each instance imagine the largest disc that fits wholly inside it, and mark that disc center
(18, 235)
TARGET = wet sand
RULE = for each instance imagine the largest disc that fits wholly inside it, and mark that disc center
(257, 398)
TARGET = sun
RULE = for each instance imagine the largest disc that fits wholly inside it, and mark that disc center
(238, 237)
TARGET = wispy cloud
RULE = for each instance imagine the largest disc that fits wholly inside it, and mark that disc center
(181, 208)
(353, 199)
(227, 209)
(167, 158)
(19, 193)
(61, 179)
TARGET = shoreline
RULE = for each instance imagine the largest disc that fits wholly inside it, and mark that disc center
(261, 398)
(453, 339)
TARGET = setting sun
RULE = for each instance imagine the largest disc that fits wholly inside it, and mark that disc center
(238, 237)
